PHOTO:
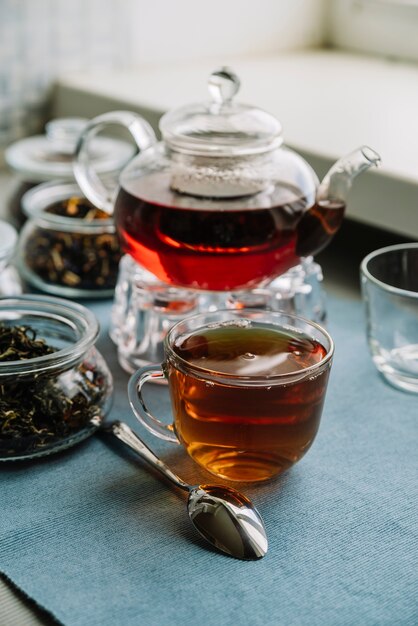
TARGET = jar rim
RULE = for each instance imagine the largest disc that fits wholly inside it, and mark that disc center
(76, 316)
(37, 200)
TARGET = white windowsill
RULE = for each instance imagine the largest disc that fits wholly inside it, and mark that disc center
(328, 102)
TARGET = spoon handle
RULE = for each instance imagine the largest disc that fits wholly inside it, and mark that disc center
(125, 434)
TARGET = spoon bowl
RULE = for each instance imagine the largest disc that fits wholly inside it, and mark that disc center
(223, 516)
(228, 520)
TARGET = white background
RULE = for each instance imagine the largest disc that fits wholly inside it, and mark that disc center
(164, 30)
(384, 27)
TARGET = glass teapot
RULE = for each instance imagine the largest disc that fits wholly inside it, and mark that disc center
(219, 204)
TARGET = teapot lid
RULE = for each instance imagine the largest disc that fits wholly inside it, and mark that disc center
(221, 127)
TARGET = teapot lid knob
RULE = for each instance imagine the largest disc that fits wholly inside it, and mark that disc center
(221, 126)
(223, 84)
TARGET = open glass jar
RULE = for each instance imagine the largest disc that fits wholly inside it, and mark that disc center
(59, 397)
(67, 247)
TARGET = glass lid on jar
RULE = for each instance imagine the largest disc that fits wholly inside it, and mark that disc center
(50, 156)
(221, 126)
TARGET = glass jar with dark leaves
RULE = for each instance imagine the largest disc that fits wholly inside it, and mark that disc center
(55, 387)
(68, 247)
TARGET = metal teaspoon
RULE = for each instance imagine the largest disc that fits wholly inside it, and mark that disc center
(223, 516)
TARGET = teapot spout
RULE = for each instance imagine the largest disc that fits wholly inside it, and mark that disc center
(337, 183)
(320, 223)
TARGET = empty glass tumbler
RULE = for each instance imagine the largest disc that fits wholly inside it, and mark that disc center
(390, 291)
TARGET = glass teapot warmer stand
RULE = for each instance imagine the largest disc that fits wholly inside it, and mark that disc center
(145, 308)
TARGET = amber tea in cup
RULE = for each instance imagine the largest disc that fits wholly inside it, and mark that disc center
(247, 390)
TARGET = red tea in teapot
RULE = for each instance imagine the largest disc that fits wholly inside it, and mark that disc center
(220, 244)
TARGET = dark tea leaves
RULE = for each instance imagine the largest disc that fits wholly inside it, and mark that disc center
(73, 258)
(36, 411)
(19, 342)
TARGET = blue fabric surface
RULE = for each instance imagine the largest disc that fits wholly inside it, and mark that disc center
(97, 540)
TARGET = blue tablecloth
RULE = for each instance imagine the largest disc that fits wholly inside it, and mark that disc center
(94, 538)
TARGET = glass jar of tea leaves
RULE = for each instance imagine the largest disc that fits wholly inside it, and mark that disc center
(55, 387)
(67, 247)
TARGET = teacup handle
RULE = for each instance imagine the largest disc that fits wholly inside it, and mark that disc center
(151, 423)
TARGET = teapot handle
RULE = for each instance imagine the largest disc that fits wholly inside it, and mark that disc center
(84, 172)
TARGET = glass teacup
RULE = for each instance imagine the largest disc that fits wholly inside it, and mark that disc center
(247, 389)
